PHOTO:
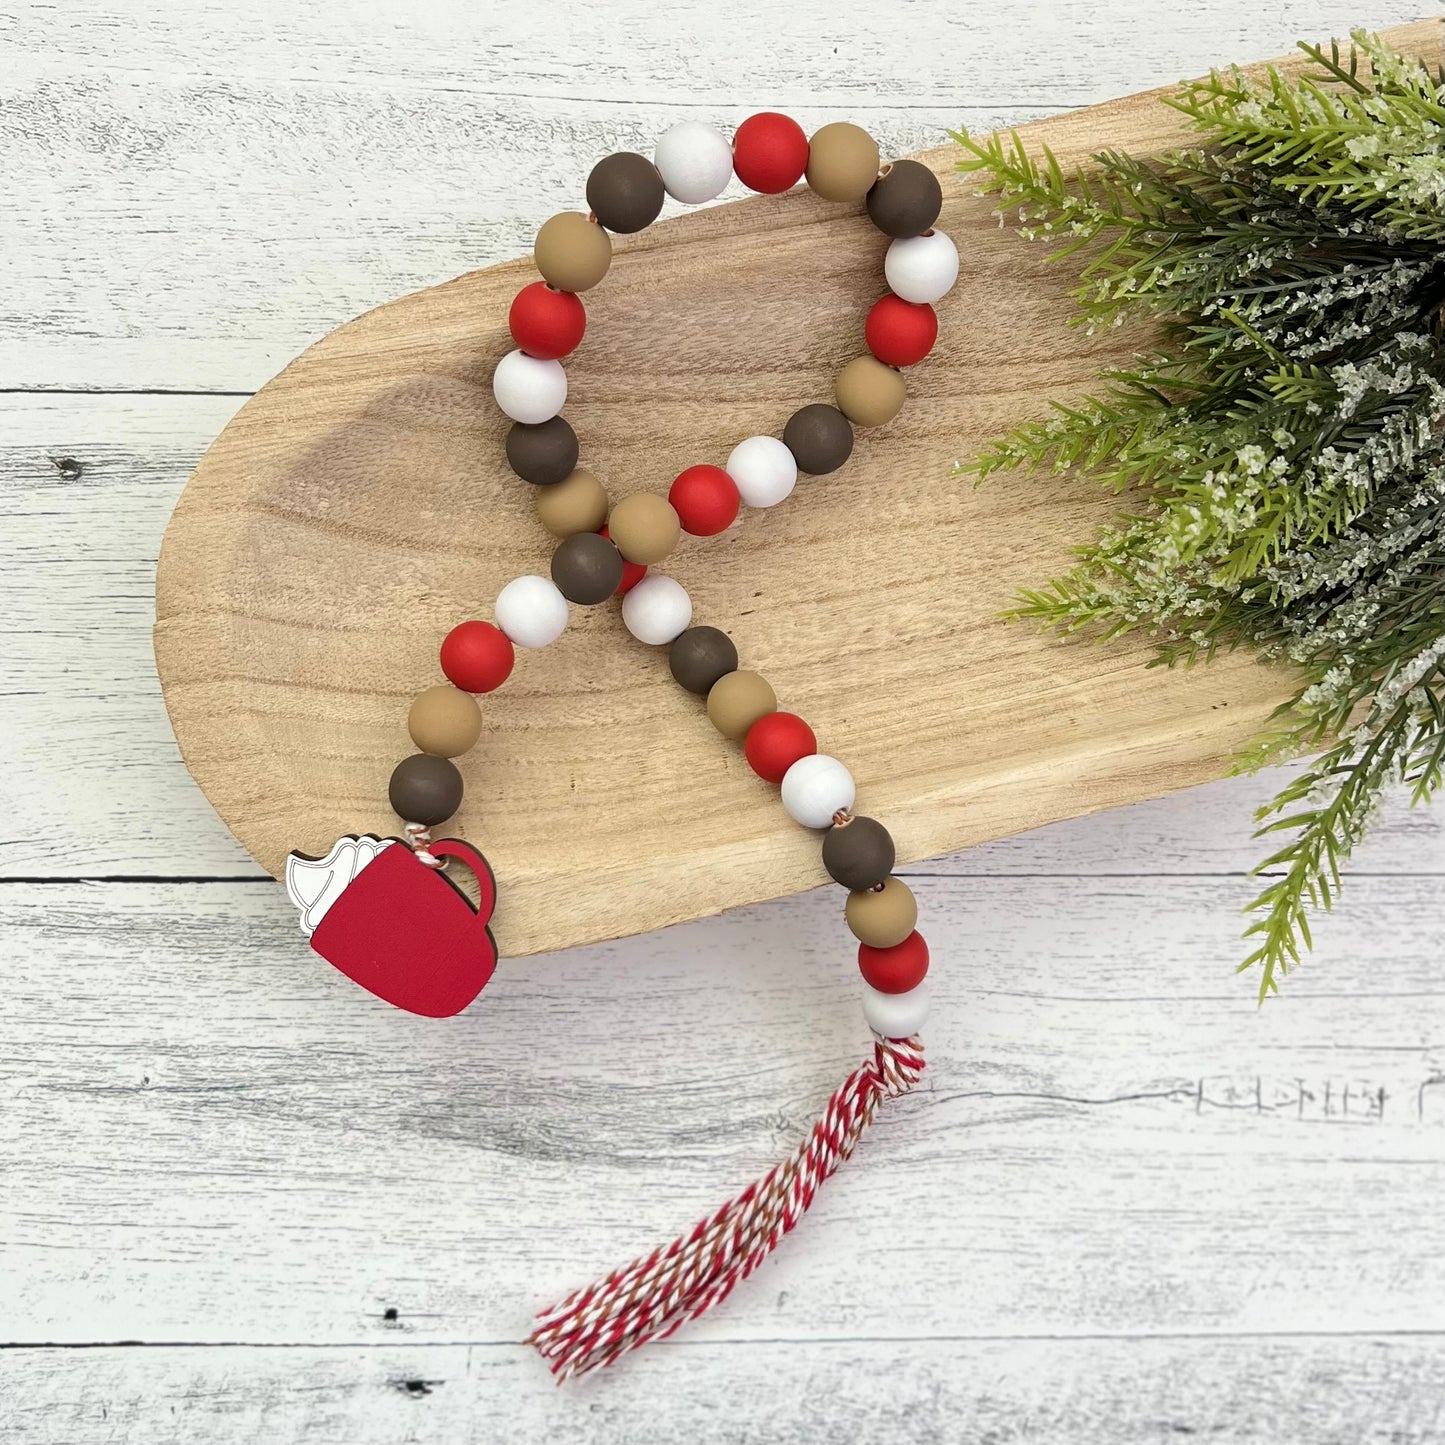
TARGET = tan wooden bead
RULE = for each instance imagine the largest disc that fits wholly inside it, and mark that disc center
(644, 527)
(444, 721)
(842, 162)
(578, 503)
(572, 252)
(737, 700)
(882, 917)
(868, 392)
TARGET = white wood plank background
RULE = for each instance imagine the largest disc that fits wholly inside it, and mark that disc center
(239, 1202)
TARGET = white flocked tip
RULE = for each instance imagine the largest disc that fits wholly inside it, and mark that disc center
(815, 788)
(528, 389)
(531, 611)
(657, 609)
(921, 268)
(694, 160)
(896, 1015)
(763, 470)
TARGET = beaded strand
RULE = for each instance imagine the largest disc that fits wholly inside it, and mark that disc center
(604, 551)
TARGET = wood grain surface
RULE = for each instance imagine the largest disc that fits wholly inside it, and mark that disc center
(360, 504)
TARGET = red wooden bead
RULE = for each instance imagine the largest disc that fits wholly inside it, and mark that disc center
(899, 332)
(477, 657)
(770, 152)
(632, 572)
(775, 742)
(705, 499)
(545, 323)
(896, 969)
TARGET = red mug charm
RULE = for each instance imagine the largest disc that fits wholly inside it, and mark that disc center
(402, 930)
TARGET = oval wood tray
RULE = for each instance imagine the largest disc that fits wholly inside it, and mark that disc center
(360, 504)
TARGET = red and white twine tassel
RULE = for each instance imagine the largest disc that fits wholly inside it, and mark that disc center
(658, 1293)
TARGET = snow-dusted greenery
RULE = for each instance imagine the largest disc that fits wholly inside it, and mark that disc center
(1283, 448)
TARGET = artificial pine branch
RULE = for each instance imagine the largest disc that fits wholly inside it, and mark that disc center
(1284, 451)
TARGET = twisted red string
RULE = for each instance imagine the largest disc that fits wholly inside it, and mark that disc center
(659, 1292)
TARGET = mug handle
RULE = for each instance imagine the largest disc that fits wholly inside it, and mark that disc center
(480, 868)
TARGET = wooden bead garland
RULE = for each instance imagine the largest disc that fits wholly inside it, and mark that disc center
(693, 162)
(351, 900)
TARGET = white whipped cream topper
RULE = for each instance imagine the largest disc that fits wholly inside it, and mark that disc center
(314, 884)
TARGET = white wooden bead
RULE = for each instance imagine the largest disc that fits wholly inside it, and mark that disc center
(763, 470)
(921, 268)
(695, 162)
(531, 611)
(657, 609)
(896, 1015)
(529, 389)
(815, 788)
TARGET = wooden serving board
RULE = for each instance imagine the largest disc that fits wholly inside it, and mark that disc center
(360, 505)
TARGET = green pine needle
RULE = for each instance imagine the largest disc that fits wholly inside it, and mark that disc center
(1283, 453)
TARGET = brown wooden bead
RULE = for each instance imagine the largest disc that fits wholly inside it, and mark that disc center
(905, 199)
(882, 917)
(645, 527)
(819, 437)
(700, 656)
(625, 192)
(859, 854)
(444, 721)
(542, 454)
(586, 568)
(572, 252)
(425, 789)
(842, 162)
(577, 504)
(868, 392)
(737, 700)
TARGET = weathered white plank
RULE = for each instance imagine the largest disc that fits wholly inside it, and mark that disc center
(212, 1138)
(1301, 1389)
(94, 780)
(94, 784)
(191, 196)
